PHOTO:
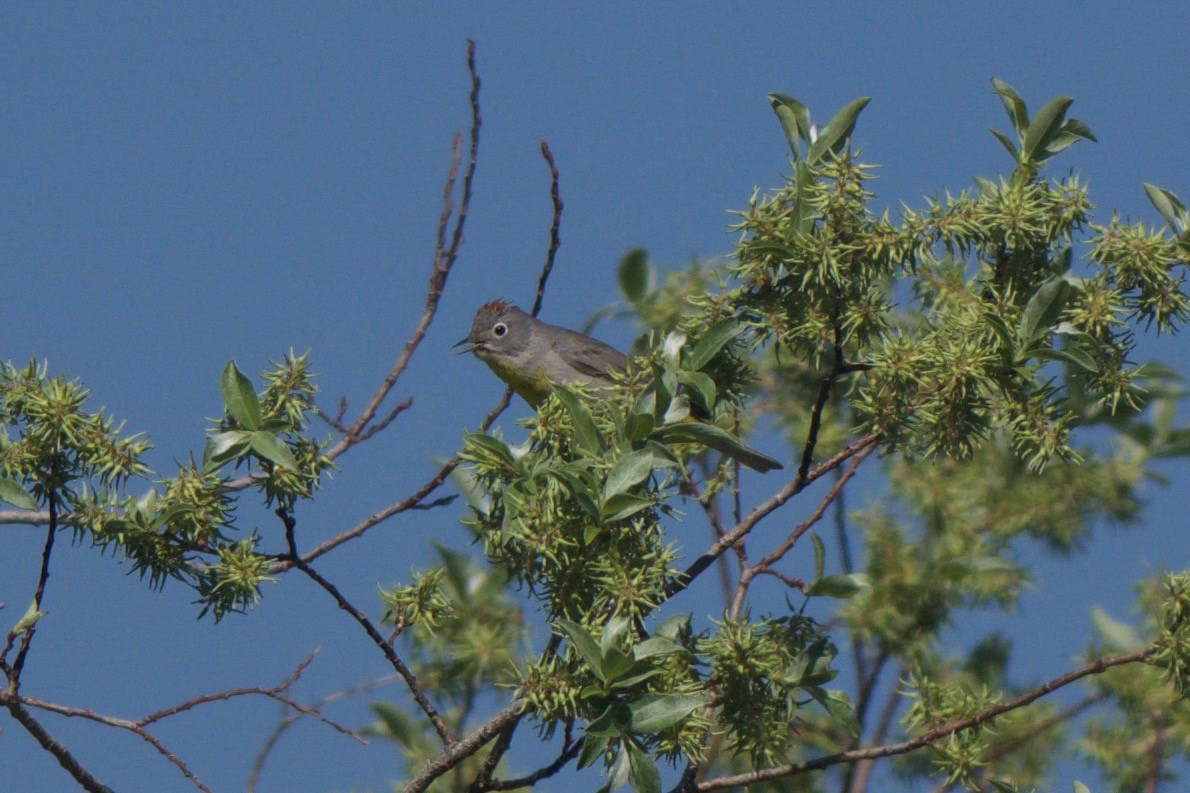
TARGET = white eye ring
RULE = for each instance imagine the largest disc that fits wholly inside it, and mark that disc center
(500, 329)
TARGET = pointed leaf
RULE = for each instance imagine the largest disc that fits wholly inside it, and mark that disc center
(1018, 114)
(633, 275)
(628, 472)
(639, 426)
(643, 775)
(584, 644)
(586, 434)
(718, 439)
(271, 448)
(624, 505)
(1171, 209)
(819, 556)
(714, 340)
(1115, 636)
(794, 118)
(239, 400)
(1006, 143)
(12, 492)
(613, 632)
(655, 646)
(1044, 308)
(226, 446)
(30, 618)
(593, 748)
(839, 585)
(1044, 127)
(672, 626)
(835, 134)
(1071, 355)
(1079, 787)
(655, 712)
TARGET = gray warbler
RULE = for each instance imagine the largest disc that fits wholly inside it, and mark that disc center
(529, 355)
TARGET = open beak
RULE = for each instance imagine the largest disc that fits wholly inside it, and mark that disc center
(474, 346)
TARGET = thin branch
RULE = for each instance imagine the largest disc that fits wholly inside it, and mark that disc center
(777, 553)
(18, 665)
(484, 777)
(389, 653)
(444, 260)
(765, 509)
(463, 748)
(569, 752)
(1094, 667)
(51, 745)
(555, 224)
(857, 775)
(291, 717)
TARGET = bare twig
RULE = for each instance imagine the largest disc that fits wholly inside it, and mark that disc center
(14, 672)
(570, 750)
(1094, 667)
(555, 224)
(51, 745)
(484, 777)
(290, 717)
(765, 509)
(777, 553)
(389, 653)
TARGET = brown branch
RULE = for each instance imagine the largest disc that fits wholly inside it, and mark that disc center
(51, 745)
(13, 673)
(779, 552)
(389, 653)
(765, 509)
(463, 748)
(568, 753)
(1153, 771)
(503, 741)
(858, 774)
(555, 240)
(1094, 667)
(291, 717)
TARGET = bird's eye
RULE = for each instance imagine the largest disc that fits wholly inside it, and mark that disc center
(500, 329)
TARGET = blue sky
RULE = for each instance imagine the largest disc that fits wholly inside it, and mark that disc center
(184, 184)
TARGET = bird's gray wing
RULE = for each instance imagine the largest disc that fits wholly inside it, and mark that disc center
(591, 357)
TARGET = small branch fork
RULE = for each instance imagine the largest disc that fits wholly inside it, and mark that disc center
(18, 704)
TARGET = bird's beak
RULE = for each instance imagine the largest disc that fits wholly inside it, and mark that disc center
(474, 346)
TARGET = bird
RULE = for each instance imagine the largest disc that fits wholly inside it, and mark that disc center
(529, 355)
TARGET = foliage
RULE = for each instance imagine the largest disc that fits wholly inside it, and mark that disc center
(982, 341)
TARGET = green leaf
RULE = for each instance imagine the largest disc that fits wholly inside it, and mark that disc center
(594, 745)
(715, 339)
(839, 707)
(655, 712)
(613, 632)
(624, 505)
(700, 387)
(584, 644)
(1018, 114)
(30, 618)
(1115, 636)
(239, 400)
(639, 426)
(835, 134)
(819, 556)
(642, 771)
(1006, 143)
(1044, 308)
(226, 446)
(616, 664)
(633, 275)
(655, 646)
(1071, 132)
(839, 585)
(794, 118)
(271, 448)
(628, 472)
(586, 434)
(12, 492)
(718, 439)
(1171, 209)
(1071, 355)
(672, 626)
(492, 444)
(1079, 787)
(1044, 127)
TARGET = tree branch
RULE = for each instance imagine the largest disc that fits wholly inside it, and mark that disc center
(51, 745)
(462, 749)
(1094, 667)
(385, 647)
